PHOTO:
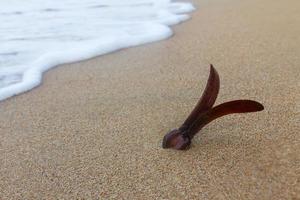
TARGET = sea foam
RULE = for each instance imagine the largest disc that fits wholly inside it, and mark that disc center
(36, 36)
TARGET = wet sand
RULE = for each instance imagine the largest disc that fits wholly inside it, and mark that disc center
(93, 129)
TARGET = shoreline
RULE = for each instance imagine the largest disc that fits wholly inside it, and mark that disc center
(93, 129)
(99, 40)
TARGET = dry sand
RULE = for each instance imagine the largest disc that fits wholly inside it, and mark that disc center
(93, 129)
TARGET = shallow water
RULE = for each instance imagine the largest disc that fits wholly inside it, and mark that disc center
(37, 36)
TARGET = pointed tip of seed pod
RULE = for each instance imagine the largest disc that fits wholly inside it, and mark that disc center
(260, 107)
(252, 106)
(212, 68)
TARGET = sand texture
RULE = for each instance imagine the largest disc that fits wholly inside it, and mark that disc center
(93, 129)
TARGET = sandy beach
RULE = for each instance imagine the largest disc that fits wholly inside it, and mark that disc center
(93, 129)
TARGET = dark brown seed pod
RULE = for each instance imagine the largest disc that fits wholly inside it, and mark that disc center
(204, 113)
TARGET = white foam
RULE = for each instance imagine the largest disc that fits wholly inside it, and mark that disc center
(37, 36)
